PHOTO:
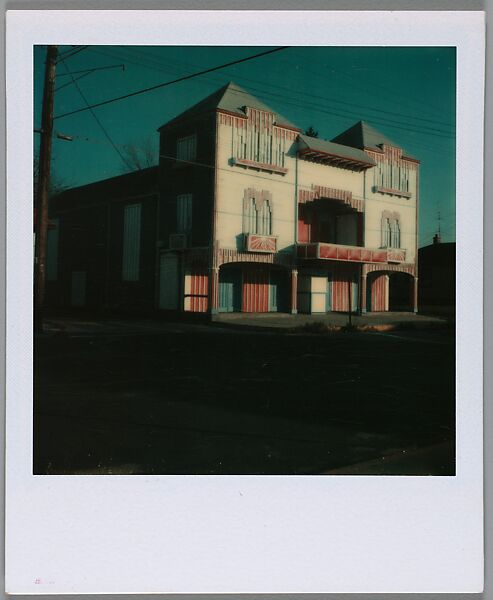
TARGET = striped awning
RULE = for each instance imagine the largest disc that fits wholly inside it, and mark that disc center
(345, 196)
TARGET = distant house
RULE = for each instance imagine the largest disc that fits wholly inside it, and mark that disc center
(245, 213)
(437, 277)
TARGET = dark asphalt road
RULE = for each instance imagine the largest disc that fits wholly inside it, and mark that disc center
(195, 399)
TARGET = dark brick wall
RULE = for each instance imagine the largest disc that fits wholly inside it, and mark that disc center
(180, 178)
(91, 240)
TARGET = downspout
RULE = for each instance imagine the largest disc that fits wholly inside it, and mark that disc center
(212, 244)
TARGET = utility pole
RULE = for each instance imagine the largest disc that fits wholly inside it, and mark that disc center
(44, 186)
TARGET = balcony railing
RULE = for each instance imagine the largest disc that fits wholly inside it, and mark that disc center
(327, 251)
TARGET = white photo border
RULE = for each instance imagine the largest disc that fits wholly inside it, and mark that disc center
(244, 534)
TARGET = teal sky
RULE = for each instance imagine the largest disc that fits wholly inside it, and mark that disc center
(407, 93)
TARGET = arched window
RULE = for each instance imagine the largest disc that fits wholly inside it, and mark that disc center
(396, 234)
(387, 233)
(257, 212)
(251, 217)
(264, 221)
(391, 230)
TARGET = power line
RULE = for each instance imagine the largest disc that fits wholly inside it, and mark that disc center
(91, 70)
(60, 87)
(414, 128)
(378, 86)
(103, 129)
(161, 85)
(420, 146)
(227, 170)
(71, 53)
(147, 55)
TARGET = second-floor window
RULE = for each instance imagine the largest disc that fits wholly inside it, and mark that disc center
(186, 148)
(392, 176)
(258, 219)
(391, 231)
(184, 213)
(395, 237)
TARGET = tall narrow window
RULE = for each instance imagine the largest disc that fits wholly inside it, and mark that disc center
(264, 226)
(184, 213)
(131, 242)
(186, 148)
(386, 232)
(396, 235)
(250, 217)
(257, 212)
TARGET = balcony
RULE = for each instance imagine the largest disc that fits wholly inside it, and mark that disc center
(325, 251)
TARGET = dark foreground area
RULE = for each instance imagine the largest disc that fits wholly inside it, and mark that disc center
(198, 399)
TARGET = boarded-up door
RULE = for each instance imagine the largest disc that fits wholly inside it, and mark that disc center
(278, 291)
(379, 293)
(229, 290)
(256, 290)
(319, 294)
(169, 291)
(344, 288)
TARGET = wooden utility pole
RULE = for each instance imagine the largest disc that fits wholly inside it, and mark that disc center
(41, 225)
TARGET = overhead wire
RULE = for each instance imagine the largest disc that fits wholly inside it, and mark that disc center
(71, 53)
(147, 55)
(101, 126)
(421, 129)
(210, 166)
(167, 83)
(358, 84)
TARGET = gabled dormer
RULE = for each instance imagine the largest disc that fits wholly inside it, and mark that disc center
(395, 168)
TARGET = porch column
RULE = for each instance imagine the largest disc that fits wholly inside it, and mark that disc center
(294, 291)
(213, 290)
(415, 294)
(363, 290)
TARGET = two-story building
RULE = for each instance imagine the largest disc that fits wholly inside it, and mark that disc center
(246, 213)
(260, 217)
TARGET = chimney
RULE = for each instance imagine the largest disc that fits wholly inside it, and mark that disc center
(437, 239)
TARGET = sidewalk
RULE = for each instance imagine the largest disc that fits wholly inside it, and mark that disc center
(379, 321)
(247, 322)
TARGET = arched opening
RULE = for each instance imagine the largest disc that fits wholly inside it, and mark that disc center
(400, 292)
(377, 292)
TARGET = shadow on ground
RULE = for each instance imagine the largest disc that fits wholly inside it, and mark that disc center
(196, 399)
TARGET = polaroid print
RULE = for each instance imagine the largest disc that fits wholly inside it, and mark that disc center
(257, 278)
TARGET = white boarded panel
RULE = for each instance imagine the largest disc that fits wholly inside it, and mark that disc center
(319, 284)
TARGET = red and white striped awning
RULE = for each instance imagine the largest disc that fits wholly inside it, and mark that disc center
(344, 196)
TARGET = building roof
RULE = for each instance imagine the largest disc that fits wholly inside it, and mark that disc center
(138, 183)
(364, 136)
(318, 148)
(232, 99)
